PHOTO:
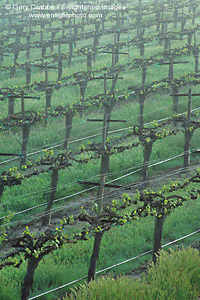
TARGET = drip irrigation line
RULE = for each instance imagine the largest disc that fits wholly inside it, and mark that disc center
(114, 266)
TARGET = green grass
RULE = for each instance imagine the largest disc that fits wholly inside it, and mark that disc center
(175, 277)
(120, 243)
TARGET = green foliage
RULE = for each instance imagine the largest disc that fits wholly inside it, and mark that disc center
(157, 107)
(71, 261)
(10, 283)
(4, 227)
(176, 276)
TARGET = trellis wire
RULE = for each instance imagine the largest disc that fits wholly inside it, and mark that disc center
(94, 135)
(86, 190)
(115, 265)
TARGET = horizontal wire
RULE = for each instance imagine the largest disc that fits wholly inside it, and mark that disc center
(92, 188)
(99, 54)
(45, 191)
(158, 120)
(69, 184)
(99, 134)
(91, 199)
(63, 186)
(113, 266)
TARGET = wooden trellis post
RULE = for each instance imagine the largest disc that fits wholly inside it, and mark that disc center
(144, 74)
(11, 105)
(53, 35)
(98, 235)
(25, 125)
(142, 99)
(146, 154)
(28, 72)
(25, 131)
(175, 15)
(68, 127)
(83, 86)
(190, 33)
(183, 21)
(138, 21)
(76, 26)
(59, 61)
(54, 182)
(71, 46)
(171, 64)
(157, 15)
(167, 38)
(188, 130)
(162, 33)
(188, 134)
(103, 19)
(89, 60)
(141, 41)
(117, 29)
(96, 38)
(28, 47)
(48, 93)
(42, 42)
(115, 59)
(194, 11)
(175, 91)
(128, 36)
(49, 90)
(196, 54)
(16, 52)
(103, 172)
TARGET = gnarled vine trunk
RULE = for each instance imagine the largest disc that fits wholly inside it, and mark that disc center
(1, 190)
(158, 228)
(95, 255)
(28, 280)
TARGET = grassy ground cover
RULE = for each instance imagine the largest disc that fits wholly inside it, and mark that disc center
(157, 106)
(120, 243)
(176, 277)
